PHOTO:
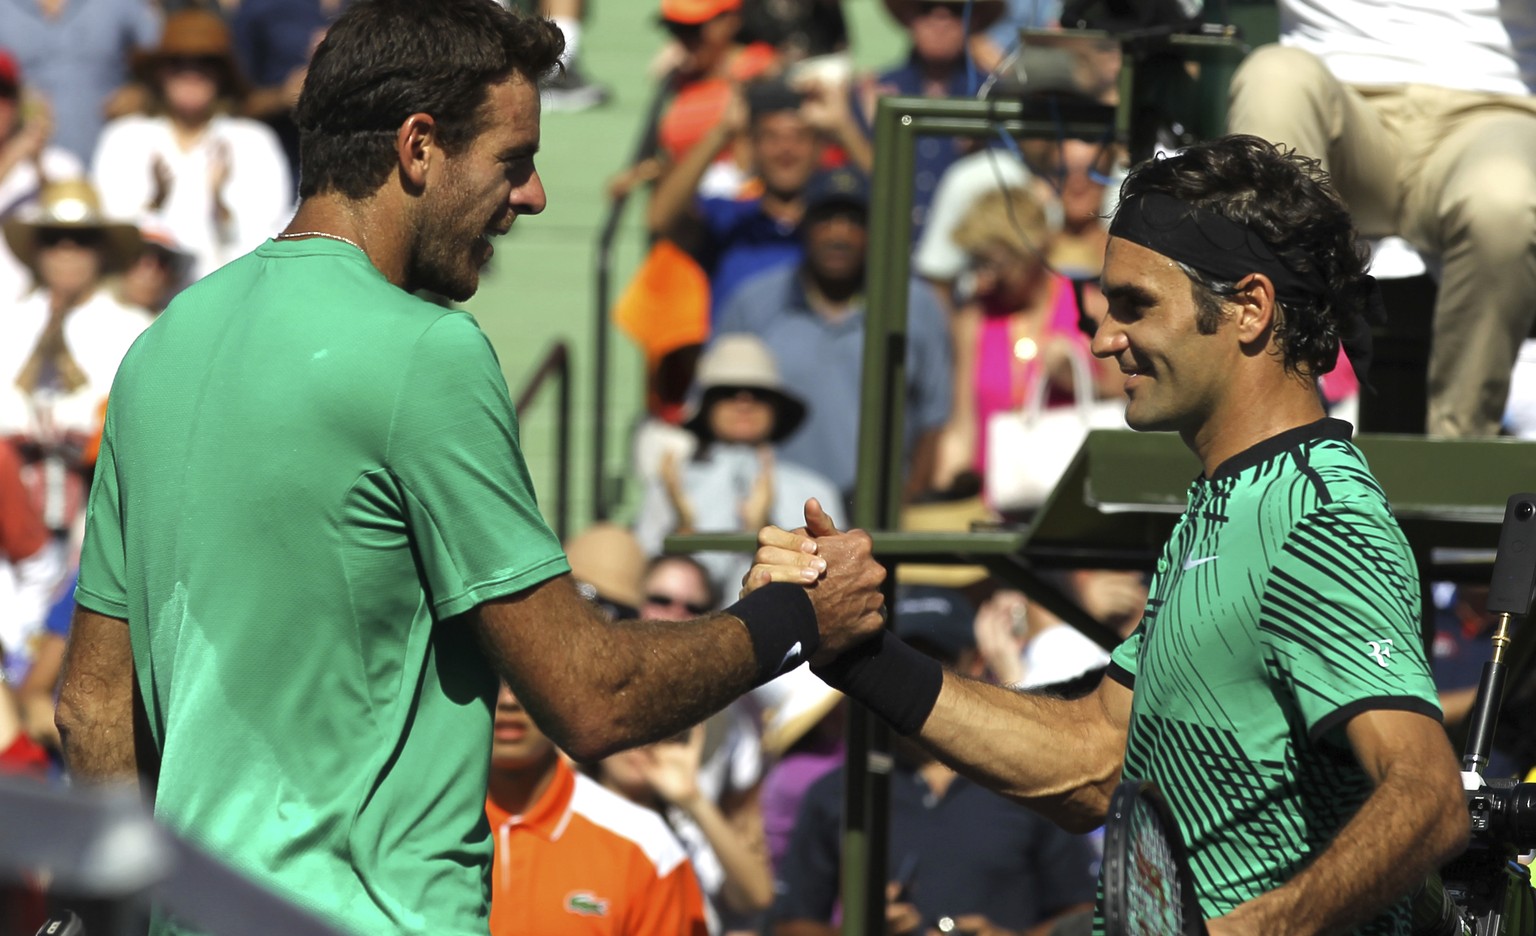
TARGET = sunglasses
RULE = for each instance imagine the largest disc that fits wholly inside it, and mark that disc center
(755, 394)
(683, 32)
(616, 611)
(53, 237)
(667, 601)
(203, 63)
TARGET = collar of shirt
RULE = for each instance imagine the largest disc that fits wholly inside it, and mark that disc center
(800, 301)
(550, 814)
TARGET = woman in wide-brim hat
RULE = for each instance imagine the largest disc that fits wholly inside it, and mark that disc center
(734, 481)
(60, 345)
(219, 183)
(72, 206)
(739, 368)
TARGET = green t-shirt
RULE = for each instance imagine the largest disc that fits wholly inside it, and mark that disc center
(1285, 603)
(306, 474)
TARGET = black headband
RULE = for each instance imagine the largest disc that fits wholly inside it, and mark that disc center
(1227, 251)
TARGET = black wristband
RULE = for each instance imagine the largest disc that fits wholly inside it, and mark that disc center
(898, 683)
(781, 620)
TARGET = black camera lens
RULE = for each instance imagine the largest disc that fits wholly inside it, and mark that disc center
(1525, 510)
(1522, 816)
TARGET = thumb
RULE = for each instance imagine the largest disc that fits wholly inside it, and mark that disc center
(817, 523)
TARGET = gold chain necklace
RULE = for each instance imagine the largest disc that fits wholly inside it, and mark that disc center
(335, 237)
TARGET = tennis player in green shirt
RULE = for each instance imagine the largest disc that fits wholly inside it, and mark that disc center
(312, 545)
(1277, 689)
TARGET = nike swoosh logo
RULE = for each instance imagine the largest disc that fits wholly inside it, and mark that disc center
(793, 656)
(1191, 562)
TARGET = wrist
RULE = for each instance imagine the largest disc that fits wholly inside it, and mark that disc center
(893, 680)
(781, 622)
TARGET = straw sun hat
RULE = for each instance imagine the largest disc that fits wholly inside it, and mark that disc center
(70, 206)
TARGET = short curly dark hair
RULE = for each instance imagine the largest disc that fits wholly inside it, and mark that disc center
(1288, 200)
(384, 60)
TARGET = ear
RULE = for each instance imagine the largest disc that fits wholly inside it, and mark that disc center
(416, 147)
(1256, 308)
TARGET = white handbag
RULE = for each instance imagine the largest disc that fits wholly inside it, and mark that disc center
(1029, 449)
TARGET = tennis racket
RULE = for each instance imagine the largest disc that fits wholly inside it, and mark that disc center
(1148, 888)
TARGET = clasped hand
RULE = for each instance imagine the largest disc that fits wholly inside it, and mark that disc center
(837, 568)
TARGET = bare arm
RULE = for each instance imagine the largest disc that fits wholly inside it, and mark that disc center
(1414, 821)
(672, 199)
(95, 712)
(35, 694)
(955, 450)
(597, 686)
(1061, 757)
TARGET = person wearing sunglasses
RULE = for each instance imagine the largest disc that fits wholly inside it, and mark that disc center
(219, 184)
(60, 346)
(677, 588)
(733, 481)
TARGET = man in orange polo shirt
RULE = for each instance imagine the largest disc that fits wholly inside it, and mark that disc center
(572, 857)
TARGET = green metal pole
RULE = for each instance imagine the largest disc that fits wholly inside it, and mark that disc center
(877, 497)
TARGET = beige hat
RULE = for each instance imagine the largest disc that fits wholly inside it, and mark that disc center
(70, 205)
(983, 12)
(736, 362)
(803, 701)
(957, 516)
(609, 558)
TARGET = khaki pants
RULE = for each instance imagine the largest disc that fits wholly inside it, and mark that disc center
(1451, 172)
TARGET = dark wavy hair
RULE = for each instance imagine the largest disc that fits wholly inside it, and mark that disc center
(384, 60)
(1288, 200)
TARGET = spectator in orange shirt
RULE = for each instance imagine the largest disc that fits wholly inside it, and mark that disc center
(572, 857)
(712, 62)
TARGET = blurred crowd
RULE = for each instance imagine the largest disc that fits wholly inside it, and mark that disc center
(143, 145)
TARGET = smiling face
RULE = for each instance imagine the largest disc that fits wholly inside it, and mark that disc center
(785, 151)
(477, 194)
(1176, 377)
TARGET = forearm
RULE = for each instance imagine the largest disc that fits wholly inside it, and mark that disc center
(598, 686)
(631, 682)
(95, 711)
(1059, 757)
(1402, 833)
(674, 193)
(920, 472)
(856, 145)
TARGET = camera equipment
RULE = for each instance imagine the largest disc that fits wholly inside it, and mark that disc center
(1486, 892)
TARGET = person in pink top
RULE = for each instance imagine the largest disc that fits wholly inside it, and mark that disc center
(1018, 332)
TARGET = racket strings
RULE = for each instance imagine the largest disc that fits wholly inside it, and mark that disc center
(1154, 903)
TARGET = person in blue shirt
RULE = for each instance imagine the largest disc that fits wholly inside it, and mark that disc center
(755, 229)
(811, 316)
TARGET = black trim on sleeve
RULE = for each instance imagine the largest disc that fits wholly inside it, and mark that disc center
(1386, 703)
(1120, 675)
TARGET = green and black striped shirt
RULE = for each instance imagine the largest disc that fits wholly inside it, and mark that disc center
(1285, 603)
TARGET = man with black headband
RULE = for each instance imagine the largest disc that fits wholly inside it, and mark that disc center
(1276, 690)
